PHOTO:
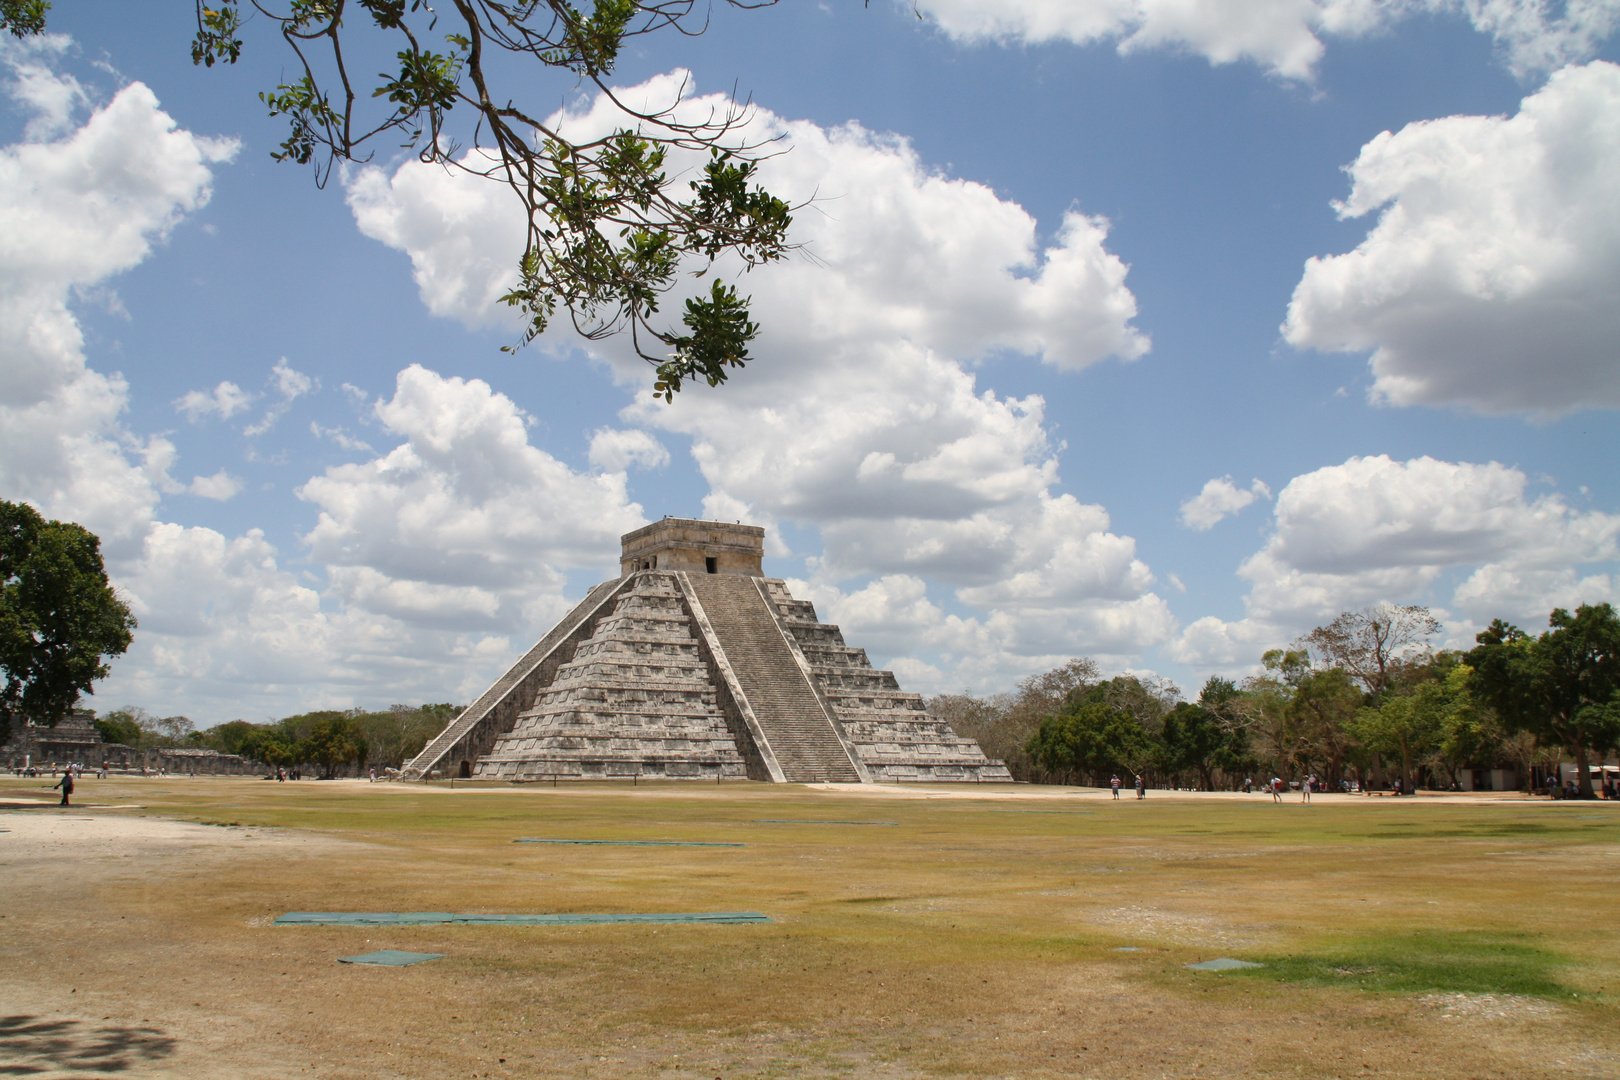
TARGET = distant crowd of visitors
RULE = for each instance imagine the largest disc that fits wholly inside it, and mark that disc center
(1277, 787)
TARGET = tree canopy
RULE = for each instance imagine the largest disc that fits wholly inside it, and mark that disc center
(1375, 645)
(611, 217)
(60, 619)
(1362, 698)
(1563, 686)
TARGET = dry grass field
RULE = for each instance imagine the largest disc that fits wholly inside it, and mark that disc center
(1008, 932)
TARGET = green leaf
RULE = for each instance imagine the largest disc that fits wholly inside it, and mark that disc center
(23, 17)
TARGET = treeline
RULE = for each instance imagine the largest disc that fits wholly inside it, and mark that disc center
(1363, 699)
(328, 739)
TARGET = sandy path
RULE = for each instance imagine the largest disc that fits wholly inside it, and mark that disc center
(92, 988)
(1049, 796)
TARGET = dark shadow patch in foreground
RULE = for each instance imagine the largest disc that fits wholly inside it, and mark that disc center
(35, 1044)
(1441, 962)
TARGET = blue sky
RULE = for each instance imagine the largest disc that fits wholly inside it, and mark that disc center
(1059, 380)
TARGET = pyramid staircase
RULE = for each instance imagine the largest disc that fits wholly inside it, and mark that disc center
(890, 729)
(776, 682)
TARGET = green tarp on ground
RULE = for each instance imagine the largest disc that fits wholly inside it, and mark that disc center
(1225, 963)
(633, 843)
(391, 958)
(435, 918)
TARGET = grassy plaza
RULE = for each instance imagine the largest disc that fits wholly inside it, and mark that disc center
(915, 932)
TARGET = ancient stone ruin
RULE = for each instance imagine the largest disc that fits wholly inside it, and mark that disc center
(694, 665)
(76, 741)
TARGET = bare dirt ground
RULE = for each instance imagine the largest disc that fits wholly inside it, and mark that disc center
(1014, 932)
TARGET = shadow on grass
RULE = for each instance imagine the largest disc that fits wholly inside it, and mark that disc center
(34, 1044)
(1446, 962)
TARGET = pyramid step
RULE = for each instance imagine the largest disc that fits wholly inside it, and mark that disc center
(636, 700)
(791, 717)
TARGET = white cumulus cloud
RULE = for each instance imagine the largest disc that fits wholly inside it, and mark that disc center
(224, 401)
(1376, 529)
(51, 96)
(220, 486)
(289, 385)
(860, 417)
(1220, 499)
(615, 450)
(1283, 36)
(896, 250)
(1492, 277)
(464, 523)
(73, 213)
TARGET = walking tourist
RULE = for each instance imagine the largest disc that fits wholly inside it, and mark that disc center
(1141, 788)
(1305, 788)
(66, 784)
(1114, 783)
(1276, 789)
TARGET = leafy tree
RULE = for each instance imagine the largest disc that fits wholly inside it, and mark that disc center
(266, 744)
(333, 740)
(1265, 706)
(1291, 666)
(1406, 726)
(1192, 737)
(59, 617)
(172, 731)
(1223, 700)
(397, 735)
(607, 228)
(1003, 724)
(1323, 706)
(122, 726)
(23, 17)
(229, 737)
(1091, 738)
(1147, 700)
(1218, 695)
(1470, 732)
(1104, 727)
(1563, 687)
(1377, 645)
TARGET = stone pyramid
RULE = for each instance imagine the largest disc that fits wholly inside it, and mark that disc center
(693, 665)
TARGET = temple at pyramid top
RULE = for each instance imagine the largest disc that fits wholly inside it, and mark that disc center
(694, 665)
(699, 547)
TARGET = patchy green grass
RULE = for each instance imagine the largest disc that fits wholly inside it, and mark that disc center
(1468, 962)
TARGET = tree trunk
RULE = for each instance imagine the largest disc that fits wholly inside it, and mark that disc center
(1586, 772)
